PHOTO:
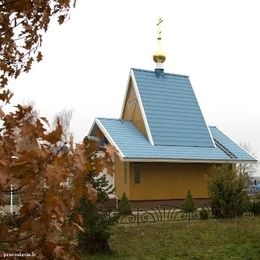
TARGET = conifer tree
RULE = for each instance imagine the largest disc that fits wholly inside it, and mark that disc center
(124, 206)
(188, 205)
(97, 218)
(227, 191)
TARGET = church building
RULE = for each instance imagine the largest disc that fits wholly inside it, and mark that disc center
(164, 146)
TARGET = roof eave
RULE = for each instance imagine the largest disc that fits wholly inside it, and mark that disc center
(125, 96)
(92, 127)
(109, 138)
(140, 102)
(127, 159)
(255, 160)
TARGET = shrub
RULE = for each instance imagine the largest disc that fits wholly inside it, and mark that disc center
(188, 205)
(255, 205)
(95, 237)
(204, 214)
(124, 207)
(96, 218)
(255, 208)
(227, 191)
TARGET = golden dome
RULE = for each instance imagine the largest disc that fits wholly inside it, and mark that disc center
(159, 56)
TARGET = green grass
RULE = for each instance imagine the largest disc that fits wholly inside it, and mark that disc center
(210, 239)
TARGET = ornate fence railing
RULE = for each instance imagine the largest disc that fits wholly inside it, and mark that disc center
(165, 213)
(161, 213)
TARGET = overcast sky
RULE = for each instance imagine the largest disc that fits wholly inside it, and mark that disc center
(87, 61)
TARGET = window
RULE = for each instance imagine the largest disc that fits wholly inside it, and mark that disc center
(15, 198)
(137, 173)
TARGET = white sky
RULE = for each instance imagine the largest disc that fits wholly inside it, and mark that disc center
(87, 60)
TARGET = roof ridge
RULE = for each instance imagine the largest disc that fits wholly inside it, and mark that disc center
(165, 73)
(114, 119)
(107, 118)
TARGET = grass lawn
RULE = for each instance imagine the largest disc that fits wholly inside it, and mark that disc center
(209, 239)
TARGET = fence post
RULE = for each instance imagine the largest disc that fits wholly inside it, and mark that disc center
(137, 216)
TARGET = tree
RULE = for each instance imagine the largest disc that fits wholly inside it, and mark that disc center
(248, 170)
(188, 205)
(50, 181)
(124, 206)
(96, 218)
(64, 117)
(255, 204)
(33, 161)
(227, 191)
(22, 26)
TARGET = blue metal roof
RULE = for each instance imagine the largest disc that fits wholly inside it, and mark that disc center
(172, 110)
(233, 150)
(133, 145)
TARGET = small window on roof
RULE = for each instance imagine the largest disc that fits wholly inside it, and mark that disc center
(137, 173)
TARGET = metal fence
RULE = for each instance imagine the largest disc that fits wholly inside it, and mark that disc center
(165, 213)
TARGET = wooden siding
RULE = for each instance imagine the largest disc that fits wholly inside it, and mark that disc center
(162, 181)
(121, 177)
(132, 111)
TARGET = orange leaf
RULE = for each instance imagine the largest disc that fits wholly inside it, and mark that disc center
(36, 227)
(2, 114)
(61, 19)
(4, 177)
(52, 173)
(3, 231)
(80, 161)
(59, 252)
(55, 136)
(110, 149)
(92, 193)
(6, 95)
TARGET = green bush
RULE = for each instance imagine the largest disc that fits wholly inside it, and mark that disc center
(255, 208)
(188, 205)
(255, 205)
(97, 218)
(96, 224)
(124, 207)
(204, 214)
(227, 191)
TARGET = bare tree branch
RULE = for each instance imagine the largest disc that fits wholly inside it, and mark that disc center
(7, 3)
(16, 25)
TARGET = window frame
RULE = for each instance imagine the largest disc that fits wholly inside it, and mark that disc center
(137, 173)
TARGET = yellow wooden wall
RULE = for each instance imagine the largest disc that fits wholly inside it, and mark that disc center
(163, 181)
(169, 181)
(121, 177)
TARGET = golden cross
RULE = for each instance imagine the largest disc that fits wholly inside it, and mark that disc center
(159, 31)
